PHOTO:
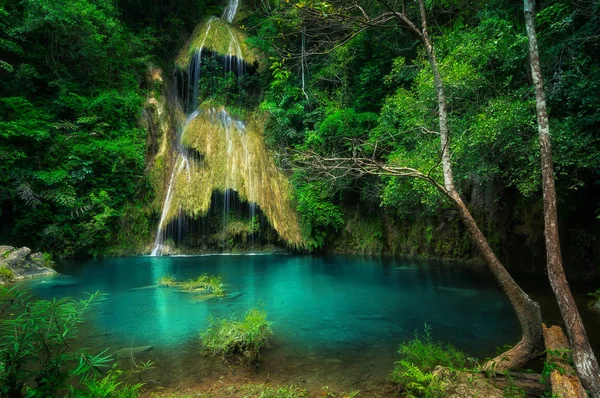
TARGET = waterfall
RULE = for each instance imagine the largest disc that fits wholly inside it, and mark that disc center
(230, 11)
(190, 93)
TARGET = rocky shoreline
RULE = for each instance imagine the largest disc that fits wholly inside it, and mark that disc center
(16, 264)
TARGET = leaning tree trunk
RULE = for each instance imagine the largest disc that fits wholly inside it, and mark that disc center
(583, 355)
(528, 311)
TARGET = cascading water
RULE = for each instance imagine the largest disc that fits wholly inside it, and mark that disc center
(188, 85)
(230, 11)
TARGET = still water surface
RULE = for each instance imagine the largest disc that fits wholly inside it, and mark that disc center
(330, 311)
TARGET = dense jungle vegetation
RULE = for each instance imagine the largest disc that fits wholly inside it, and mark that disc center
(74, 158)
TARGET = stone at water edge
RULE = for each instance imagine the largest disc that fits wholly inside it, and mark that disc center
(5, 249)
(22, 263)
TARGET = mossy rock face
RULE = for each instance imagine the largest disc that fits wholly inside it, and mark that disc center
(217, 35)
(18, 264)
(233, 157)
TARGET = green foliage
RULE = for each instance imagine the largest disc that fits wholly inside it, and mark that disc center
(167, 281)
(36, 357)
(266, 391)
(229, 337)
(420, 357)
(595, 298)
(229, 88)
(319, 215)
(72, 152)
(106, 387)
(210, 283)
(7, 274)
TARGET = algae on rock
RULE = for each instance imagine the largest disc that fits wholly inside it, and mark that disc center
(233, 157)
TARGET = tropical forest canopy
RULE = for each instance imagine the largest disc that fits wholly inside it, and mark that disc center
(75, 159)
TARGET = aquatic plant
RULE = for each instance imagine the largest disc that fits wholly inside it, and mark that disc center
(35, 354)
(230, 337)
(167, 281)
(210, 283)
(420, 356)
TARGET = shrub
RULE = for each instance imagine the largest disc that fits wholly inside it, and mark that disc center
(229, 337)
(47, 260)
(106, 387)
(35, 339)
(420, 356)
(7, 274)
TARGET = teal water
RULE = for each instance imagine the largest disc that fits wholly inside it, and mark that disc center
(329, 306)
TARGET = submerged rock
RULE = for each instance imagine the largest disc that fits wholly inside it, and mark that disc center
(132, 351)
(20, 263)
(459, 291)
(233, 295)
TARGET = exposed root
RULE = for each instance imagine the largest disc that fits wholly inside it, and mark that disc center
(514, 358)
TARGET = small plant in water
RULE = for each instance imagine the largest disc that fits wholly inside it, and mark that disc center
(230, 337)
(420, 356)
(210, 283)
(167, 281)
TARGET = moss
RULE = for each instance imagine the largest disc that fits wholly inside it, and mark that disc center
(232, 160)
(217, 35)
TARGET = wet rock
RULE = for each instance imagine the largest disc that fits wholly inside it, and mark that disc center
(132, 351)
(5, 249)
(21, 264)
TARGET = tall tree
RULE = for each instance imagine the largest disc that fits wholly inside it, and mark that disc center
(583, 355)
(528, 312)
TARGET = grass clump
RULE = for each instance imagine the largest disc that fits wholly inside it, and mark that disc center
(167, 281)
(7, 274)
(266, 391)
(210, 283)
(230, 337)
(414, 373)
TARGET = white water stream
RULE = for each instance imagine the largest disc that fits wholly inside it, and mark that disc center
(222, 116)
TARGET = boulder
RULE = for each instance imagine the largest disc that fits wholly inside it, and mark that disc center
(5, 250)
(22, 264)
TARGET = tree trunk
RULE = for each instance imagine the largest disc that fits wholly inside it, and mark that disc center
(528, 312)
(583, 355)
(564, 382)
